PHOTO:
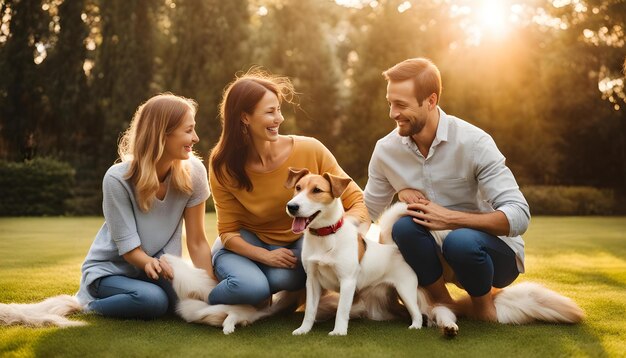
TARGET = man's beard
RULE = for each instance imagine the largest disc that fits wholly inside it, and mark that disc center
(415, 126)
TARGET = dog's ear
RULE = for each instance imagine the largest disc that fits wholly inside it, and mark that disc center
(337, 184)
(294, 175)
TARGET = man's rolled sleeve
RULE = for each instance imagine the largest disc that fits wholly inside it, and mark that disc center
(518, 218)
(499, 187)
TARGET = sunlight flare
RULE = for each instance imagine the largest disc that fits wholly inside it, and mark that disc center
(493, 15)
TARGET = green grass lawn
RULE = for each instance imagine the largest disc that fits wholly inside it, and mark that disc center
(581, 257)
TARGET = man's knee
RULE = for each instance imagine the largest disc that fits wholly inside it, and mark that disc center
(406, 231)
(460, 247)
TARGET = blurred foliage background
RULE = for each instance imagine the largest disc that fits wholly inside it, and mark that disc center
(543, 77)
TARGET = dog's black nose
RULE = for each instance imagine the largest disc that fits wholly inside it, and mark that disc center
(293, 208)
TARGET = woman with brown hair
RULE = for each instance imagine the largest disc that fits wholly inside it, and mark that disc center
(257, 253)
(158, 184)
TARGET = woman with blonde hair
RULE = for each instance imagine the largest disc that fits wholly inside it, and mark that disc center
(257, 253)
(157, 185)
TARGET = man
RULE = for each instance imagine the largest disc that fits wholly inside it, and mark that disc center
(454, 178)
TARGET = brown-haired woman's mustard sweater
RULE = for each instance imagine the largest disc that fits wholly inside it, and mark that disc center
(262, 210)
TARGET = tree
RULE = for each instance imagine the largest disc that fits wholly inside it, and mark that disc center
(201, 54)
(21, 88)
(70, 111)
(382, 36)
(299, 44)
(588, 95)
(123, 70)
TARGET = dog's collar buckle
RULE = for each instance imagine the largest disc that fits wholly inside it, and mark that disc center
(327, 230)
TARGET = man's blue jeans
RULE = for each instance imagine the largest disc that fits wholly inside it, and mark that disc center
(479, 260)
(243, 281)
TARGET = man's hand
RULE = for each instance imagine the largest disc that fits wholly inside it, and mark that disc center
(410, 196)
(282, 257)
(432, 216)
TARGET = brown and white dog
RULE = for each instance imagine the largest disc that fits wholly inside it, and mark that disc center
(336, 257)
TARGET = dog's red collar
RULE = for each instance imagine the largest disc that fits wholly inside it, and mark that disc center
(327, 230)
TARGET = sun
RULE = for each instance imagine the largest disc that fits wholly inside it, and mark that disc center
(486, 19)
(493, 16)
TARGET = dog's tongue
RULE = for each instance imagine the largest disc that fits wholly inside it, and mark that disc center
(298, 226)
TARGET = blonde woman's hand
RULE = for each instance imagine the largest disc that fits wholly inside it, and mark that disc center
(410, 196)
(153, 268)
(282, 257)
(167, 271)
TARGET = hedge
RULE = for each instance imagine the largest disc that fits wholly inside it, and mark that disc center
(37, 187)
(45, 186)
(570, 200)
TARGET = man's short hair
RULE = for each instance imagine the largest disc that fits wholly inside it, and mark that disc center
(424, 73)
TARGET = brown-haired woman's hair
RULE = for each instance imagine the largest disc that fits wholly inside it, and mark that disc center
(143, 144)
(424, 73)
(229, 156)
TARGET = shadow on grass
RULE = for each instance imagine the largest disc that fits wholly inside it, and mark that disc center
(272, 337)
(597, 278)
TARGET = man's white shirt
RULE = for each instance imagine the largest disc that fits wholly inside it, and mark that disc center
(464, 171)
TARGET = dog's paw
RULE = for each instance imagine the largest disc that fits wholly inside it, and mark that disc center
(450, 331)
(338, 332)
(228, 329)
(300, 331)
(417, 323)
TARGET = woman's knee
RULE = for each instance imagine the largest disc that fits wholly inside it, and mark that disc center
(286, 279)
(245, 291)
(151, 301)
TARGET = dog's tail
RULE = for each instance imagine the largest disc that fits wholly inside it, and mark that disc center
(50, 312)
(528, 301)
(193, 310)
(226, 316)
(387, 219)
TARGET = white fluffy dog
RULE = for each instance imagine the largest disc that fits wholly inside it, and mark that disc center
(336, 257)
(193, 286)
